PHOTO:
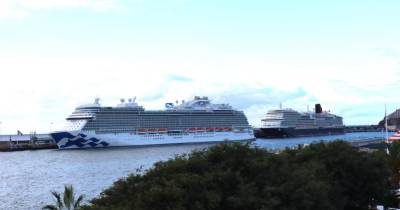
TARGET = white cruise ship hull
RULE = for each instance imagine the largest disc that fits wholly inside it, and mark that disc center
(81, 139)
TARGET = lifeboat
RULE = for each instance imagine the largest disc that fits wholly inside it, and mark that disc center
(200, 129)
(192, 130)
(152, 130)
(219, 129)
(162, 130)
(227, 129)
(210, 129)
(141, 131)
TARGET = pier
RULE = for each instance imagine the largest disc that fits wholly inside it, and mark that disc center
(32, 141)
(362, 128)
(369, 143)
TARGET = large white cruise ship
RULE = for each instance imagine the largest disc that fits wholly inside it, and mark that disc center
(128, 124)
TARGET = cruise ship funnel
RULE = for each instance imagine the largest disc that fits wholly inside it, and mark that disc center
(318, 108)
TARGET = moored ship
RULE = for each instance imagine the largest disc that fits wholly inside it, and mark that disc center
(128, 124)
(281, 123)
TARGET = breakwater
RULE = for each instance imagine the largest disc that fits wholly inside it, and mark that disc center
(26, 142)
(362, 128)
(369, 143)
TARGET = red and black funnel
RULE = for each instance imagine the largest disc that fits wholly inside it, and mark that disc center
(318, 108)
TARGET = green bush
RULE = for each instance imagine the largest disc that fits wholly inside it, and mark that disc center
(234, 176)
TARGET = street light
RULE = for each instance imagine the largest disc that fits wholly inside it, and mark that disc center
(51, 124)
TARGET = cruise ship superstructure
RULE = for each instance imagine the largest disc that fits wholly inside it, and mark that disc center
(290, 123)
(128, 124)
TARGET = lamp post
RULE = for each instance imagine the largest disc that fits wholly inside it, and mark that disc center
(51, 124)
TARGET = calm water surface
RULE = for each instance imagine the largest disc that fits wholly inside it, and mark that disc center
(27, 177)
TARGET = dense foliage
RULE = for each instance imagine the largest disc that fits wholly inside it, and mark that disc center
(234, 176)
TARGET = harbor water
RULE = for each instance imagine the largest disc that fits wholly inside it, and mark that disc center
(28, 177)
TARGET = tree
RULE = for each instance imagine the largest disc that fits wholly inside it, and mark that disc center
(329, 176)
(394, 160)
(67, 202)
(360, 178)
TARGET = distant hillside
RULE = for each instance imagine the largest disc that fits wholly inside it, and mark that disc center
(393, 120)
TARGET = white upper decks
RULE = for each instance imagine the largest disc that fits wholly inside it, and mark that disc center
(198, 104)
(130, 104)
(88, 111)
(96, 105)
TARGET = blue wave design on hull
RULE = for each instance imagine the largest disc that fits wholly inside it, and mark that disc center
(78, 140)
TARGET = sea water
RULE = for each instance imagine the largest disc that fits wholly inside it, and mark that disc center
(28, 177)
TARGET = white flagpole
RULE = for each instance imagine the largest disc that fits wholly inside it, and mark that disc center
(386, 126)
(387, 135)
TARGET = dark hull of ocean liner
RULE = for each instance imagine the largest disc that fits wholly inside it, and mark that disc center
(283, 123)
(292, 132)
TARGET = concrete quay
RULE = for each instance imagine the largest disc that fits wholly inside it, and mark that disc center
(362, 128)
(26, 142)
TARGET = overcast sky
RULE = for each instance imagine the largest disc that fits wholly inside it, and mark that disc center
(57, 54)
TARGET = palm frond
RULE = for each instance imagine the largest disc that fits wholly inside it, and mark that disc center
(58, 199)
(50, 207)
(66, 200)
(68, 196)
(78, 201)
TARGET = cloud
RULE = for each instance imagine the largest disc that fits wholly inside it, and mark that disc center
(179, 78)
(387, 52)
(256, 101)
(51, 85)
(243, 97)
(19, 9)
